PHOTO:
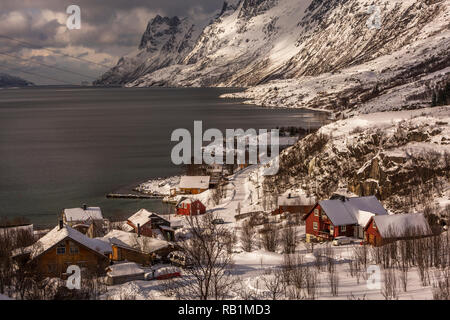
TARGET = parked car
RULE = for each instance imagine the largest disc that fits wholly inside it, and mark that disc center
(338, 241)
(178, 258)
(163, 273)
(218, 221)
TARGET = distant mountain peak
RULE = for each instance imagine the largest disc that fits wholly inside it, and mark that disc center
(157, 28)
(7, 80)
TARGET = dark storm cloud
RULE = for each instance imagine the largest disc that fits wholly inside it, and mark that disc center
(109, 30)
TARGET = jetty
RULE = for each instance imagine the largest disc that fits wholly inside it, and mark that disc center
(133, 196)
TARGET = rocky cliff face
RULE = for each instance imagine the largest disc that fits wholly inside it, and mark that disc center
(165, 42)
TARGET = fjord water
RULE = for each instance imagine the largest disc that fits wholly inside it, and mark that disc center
(62, 147)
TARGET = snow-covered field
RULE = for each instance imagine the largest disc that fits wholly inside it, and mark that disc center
(253, 269)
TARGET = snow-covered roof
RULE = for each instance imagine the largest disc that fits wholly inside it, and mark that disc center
(141, 217)
(124, 269)
(195, 182)
(186, 200)
(338, 212)
(369, 204)
(57, 235)
(127, 227)
(364, 217)
(79, 214)
(400, 225)
(352, 210)
(132, 241)
(290, 198)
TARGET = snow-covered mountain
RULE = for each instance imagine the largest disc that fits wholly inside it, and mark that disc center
(7, 80)
(283, 44)
(166, 41)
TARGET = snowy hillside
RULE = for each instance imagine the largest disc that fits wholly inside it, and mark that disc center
(402, 157)
(405, 79)
(332, 52)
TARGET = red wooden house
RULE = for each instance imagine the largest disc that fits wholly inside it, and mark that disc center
(383, 229)
(341, 217)
(189, 207)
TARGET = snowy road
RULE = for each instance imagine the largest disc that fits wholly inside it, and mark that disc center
(239, 195)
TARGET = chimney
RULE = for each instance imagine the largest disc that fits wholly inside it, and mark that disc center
(61, 224)
(84, 207)
(139, 230)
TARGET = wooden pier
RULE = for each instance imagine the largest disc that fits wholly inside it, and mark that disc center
(133, 196)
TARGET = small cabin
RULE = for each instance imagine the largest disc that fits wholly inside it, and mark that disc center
(149, 224)
(294, 203)
(83, 218)
(193, 184)
(189, 207)
(384, 229)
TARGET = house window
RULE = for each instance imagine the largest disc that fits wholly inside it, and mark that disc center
(61, 249)
(74, 249)
(374, 226)
(343, 228)
(324, 216)
(316, 212)
(315, 226)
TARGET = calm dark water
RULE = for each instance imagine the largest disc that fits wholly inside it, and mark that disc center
(62, 147)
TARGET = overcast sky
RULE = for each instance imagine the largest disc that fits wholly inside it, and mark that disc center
(109, 30)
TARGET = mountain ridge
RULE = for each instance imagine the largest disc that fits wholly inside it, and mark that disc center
(251, 43)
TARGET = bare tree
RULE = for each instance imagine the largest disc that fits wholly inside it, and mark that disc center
(208, 276)
(311, 283)
(333, 280)
(441, 287)
(389, 290)
(289, 240)
(6, 265)
(270, 237)
(361, 253)
(247, 235)
(273, 284)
